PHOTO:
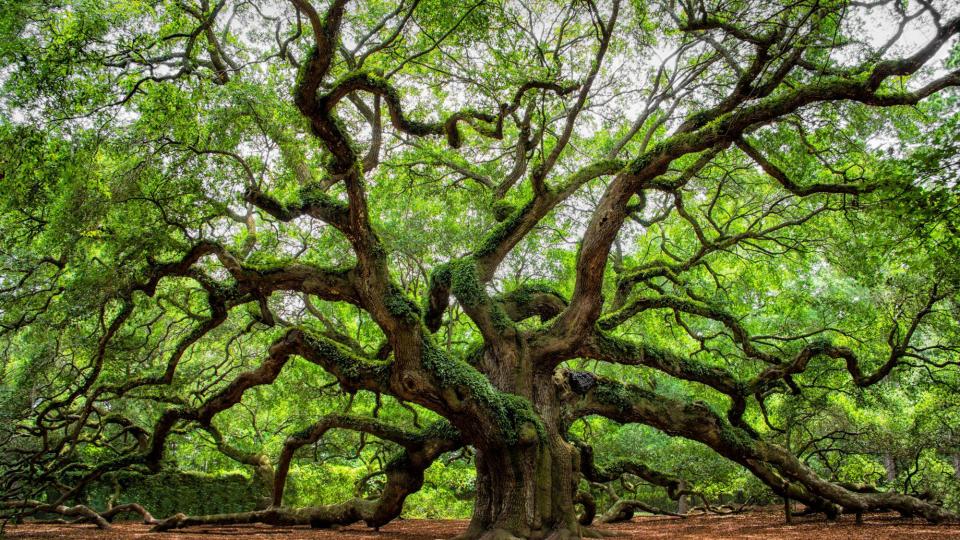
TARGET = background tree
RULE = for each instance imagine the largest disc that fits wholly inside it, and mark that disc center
(733, 222)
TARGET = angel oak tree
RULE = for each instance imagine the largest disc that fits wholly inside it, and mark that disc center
(493, 195)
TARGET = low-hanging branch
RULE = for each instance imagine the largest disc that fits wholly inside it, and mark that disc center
(404, 475)
(780, 469)
(440, 434)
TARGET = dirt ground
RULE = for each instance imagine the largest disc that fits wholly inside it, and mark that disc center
(766, 523)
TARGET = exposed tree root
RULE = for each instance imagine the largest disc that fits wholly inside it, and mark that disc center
(722, 510)
(624, 509)
(318, 517)
(83, 513)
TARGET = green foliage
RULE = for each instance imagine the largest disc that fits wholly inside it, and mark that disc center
(170, 491)
(323, 483)
(130, 131)
(448, 492)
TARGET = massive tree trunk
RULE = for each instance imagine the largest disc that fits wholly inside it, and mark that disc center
(526, 488)
(525, 492)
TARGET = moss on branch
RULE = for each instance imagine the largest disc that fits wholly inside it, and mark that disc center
(512, 414)
(504, 229)
(401, 306)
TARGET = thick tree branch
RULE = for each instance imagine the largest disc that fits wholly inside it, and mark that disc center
(441, 435)
(696, 421)
(404, 476)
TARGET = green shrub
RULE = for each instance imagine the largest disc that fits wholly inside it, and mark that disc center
(169, 492)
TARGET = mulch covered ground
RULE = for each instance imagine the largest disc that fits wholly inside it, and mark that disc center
(758, 524)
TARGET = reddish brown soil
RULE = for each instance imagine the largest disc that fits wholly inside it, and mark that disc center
(760, 524)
